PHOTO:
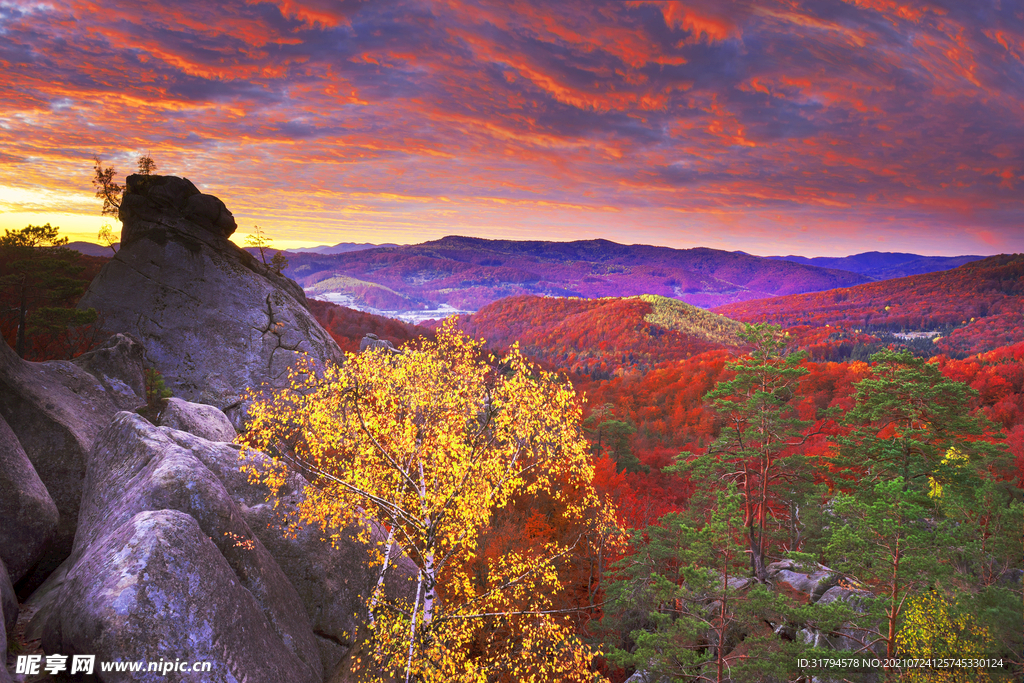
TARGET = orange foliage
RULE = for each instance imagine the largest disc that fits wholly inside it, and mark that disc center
(991, 288)
(598, 338)
(347, 326)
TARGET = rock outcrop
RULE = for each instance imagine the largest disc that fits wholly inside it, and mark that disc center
(8, 617)
(56, 409)
(212, 319)
(306, 593)
(8, 604)
(802, 584)
(160, 548)
(156, 588)
(136, 469)
(207, 422)
(29, 516)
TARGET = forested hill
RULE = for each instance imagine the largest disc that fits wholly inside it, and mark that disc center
(469, 273)
(884, 265)
(348, 327)
(980, 302)
(601, 337)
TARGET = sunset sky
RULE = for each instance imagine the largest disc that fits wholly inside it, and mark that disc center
(777, 127)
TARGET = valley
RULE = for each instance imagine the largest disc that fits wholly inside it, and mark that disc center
(760, 412)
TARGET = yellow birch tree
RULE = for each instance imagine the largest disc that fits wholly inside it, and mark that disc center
(936, 629)
(430, 443)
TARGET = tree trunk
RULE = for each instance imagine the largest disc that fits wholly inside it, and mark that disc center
(22, 315)
(894, 594)
(412, 628)
(756, 554)
(721, 624)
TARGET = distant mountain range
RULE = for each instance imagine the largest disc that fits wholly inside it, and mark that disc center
(467, 273)
(976, 307)
(884, 265)
(91, 249)
(339, 248)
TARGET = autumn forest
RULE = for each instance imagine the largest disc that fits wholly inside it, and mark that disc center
(759, 485)
(803, 433)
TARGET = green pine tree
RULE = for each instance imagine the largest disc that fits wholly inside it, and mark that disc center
(689, 611)
(677, 595)
(910, 421)
(891, 545)
(758, 446)
(39, 289)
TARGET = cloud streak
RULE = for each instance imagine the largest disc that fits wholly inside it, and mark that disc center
(821, 127)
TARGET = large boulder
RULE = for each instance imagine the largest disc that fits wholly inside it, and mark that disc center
(311, 592)
(28, 516)
(137, 468)
(846, 637)
(802, 583)
(332, 577)
(8, 605)
(56, 409)
(8, 617)
(213, 320)
(207, 422)
(156, 587)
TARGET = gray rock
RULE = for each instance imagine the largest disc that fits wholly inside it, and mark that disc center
(847, 637)
(157, 588)
(212, 319)
(333, 580)
(207, 422)
(136, 467)
(56, 409)
(29, 514)
(372, 341)
(740, 583)
(804, 587)
(805, 583)
(8, 616)
(855, 597)
(118, 365)
(8, 607)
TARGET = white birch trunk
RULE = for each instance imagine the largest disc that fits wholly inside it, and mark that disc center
(412, 627)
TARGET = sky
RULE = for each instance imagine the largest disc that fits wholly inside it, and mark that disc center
(813, 127)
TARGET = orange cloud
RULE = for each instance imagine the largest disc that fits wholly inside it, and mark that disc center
(416, 117)
(314, 13)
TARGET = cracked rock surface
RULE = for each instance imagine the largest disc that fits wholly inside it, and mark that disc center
(212, 319)
(156, 586)
(137, 468)
(55, 411)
